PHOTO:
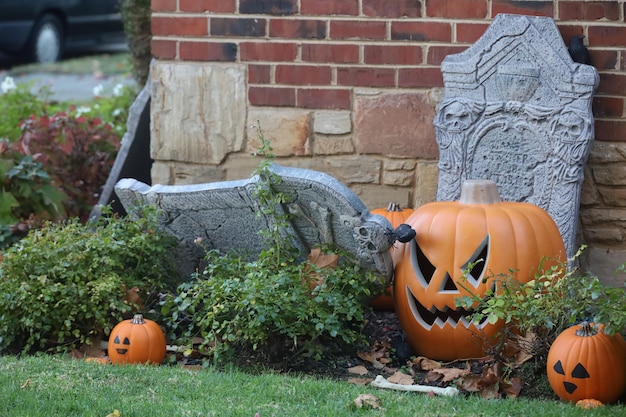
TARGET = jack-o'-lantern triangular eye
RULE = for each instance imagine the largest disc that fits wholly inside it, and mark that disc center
(424, 269)
(580, 372)
(474, 268)
(558, 368)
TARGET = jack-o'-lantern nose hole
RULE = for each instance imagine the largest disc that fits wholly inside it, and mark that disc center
(448, 285)
(474, 268)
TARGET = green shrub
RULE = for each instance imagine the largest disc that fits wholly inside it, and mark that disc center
(27, 196)
(275, 305)
(268, 306)
(66, 283)
(136, 16)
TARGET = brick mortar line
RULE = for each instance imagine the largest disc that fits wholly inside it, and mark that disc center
(337, 42)
(380, 19)
(331, 42)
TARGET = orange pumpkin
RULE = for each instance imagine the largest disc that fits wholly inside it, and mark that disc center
(396, 216)
(480, 230)
(588, 403)
(136, 340)
(584, 362)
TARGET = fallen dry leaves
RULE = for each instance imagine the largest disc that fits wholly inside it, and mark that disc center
(492, 383)
(367, 401)
(358, 370)
(426, 364)
(321, 260)
(401, 378)
(483, 377)
(360, 381)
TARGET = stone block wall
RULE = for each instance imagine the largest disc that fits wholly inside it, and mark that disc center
(351, 88)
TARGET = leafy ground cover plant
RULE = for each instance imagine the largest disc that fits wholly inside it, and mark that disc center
(275, 305)
(67, 283)
(27, 196)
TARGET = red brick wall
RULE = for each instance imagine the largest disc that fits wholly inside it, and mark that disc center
(311, 53)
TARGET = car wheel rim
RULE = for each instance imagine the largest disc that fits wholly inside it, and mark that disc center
(48, 44)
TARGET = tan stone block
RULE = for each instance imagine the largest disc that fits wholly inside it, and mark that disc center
(610, 174)
(613, 196)
(197, 111)
(240, 166)
(603, 262)
(332, 145)
(162, 173)
(589, 195)
(395, 124)
(400, 164)
(185, 174)
(288, 130)
(179, 173)
(328, 122)
(350, 170)
(604, 234)
(590, 216)
(427, 175)
(603, 152)
(379, 196)
(398, 178)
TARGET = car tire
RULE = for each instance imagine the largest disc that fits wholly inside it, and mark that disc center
(46, 41)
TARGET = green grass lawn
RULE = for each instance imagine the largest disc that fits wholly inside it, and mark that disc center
(58, 386)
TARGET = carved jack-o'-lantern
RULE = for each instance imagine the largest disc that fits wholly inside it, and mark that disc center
(583, 362)
(396, 216)
(137, 340)
(478, 234)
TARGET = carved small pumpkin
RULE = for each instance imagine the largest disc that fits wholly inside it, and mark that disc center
(137, 340)
(396, 216)
(584, 362)
(480, 230)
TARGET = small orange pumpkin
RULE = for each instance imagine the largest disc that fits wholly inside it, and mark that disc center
(396, 216)
(588, 403)
(584, 362)
(136, 340)
(481, 231)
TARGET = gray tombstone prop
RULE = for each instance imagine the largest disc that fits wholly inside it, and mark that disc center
(133, 159)
(227, 216)
(517, 110)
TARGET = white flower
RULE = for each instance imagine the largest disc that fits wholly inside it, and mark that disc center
(118, 90)
(116, 112)
(82, 109)
(98, 90)
(8, 84)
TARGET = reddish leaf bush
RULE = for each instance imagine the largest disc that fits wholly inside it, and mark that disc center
(77, 152)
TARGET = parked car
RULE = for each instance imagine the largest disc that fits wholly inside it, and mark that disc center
(43, 30)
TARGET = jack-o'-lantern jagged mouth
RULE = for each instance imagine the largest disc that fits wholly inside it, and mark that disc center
(433, 316)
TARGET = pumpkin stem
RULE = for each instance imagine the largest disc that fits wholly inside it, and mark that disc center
(138, 319)
(586, 330)
(479, 192)
(393, 206)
